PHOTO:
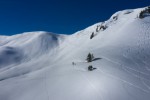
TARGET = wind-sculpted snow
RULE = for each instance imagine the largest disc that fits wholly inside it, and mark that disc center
(10, 55)
(46, 66)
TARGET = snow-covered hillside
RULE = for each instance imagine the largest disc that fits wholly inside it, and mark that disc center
(38, 65)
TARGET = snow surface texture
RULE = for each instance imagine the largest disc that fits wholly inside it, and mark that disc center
(38, 65)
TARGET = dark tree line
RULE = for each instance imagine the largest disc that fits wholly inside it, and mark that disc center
(143, 12)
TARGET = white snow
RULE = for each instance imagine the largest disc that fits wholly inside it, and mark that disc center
(38, 65)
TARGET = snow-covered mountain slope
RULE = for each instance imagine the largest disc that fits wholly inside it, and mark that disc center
(38, 65)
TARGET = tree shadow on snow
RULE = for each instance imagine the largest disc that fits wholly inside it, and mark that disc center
(96, 59)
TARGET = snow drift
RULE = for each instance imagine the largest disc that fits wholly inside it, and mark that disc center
(38, 65)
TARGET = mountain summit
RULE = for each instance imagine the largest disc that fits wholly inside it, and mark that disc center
(106, 61)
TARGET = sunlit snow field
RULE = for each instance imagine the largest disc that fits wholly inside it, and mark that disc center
(38, 65)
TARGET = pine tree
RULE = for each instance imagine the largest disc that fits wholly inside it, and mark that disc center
(90, 68)
(115, 17)
(102, 27)
(141, 15)
(97, 28)
(89, 58)
(92, 35)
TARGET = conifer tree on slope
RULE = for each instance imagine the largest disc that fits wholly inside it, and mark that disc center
(89, 57)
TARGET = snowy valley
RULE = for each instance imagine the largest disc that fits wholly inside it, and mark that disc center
(48, 66)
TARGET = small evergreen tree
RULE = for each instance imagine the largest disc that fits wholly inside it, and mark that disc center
(115, 17)
(89, 58)
(90, 68)
(141, 15)
(92, 35)
(97, 28)
(102, 27)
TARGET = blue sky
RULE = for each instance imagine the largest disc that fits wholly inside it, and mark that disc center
(58, 16)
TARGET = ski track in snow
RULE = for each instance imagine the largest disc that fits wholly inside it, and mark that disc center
(89, 82)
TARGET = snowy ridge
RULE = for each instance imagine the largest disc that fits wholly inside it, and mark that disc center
(38, 65)
(31, 44)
